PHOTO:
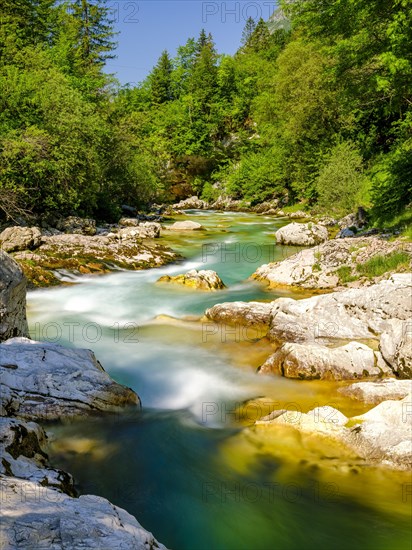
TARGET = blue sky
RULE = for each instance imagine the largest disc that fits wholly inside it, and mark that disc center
(147, 27)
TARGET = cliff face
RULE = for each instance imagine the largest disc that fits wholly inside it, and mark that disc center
(12, 299)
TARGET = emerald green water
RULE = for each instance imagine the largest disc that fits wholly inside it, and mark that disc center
(187, 466)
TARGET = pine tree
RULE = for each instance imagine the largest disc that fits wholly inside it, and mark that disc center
(161, 80)
(260, 38)
(94, 30)
(204, 74)
(24, 23)
(248, 31)
(202, 40)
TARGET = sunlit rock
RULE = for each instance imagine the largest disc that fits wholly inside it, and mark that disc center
(302, 234)
(202, 280)
(39, 380)
(312, 361)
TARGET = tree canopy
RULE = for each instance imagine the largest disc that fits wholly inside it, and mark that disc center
(317, 109)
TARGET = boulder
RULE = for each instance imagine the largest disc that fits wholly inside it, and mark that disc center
(202, 280)
(185, 226)
(345, 233)
(129, 222)
(39, 380)
(298, 215)
(191, 203)
(35, 516)
(145, 230)
(77, 226)
(384, 433)
(355, 220)
(302, 234)
(22, 451)
(98, 254)
(228, 204)
(12, 299)
(312, 361)
(14, 239)
(241, 313)
(396, 346)
(378, 391)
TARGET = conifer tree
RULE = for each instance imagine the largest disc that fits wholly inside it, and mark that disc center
(161, 80)
(248, 31)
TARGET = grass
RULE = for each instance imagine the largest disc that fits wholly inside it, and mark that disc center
(294, 208)
(378, 265)
(345, 274)
(402, 222)
(407, 232)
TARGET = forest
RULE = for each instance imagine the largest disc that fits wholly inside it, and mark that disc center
(315, 109)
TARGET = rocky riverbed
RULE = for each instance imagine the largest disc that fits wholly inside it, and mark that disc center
(345, 331)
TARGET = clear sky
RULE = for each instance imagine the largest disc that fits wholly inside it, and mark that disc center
(147, 27)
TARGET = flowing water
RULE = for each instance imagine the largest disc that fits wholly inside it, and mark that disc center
(191, 467)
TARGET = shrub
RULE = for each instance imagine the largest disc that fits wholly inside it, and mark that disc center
(341, 181)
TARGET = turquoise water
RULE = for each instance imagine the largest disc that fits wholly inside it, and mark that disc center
(185, 466)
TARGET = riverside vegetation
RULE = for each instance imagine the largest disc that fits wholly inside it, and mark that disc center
(315, 107)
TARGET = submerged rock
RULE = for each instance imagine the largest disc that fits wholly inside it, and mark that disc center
(12, 299)
(47, 381)
(301, 234)
(185, 226)
(202, 280)
(380, 436)
(312, 361)
(14, 239)
(34, 516)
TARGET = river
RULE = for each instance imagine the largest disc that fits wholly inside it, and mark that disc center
(191, 467)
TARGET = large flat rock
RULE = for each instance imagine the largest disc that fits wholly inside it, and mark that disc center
(40, 380)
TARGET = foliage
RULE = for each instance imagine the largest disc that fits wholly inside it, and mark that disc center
(341, 184)
(316, 110)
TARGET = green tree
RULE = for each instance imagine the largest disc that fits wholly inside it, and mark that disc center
(161, 80)
(94, 33)
(341, 184)
(248, 31)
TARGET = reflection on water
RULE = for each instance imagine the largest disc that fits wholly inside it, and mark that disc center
(187, 467)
